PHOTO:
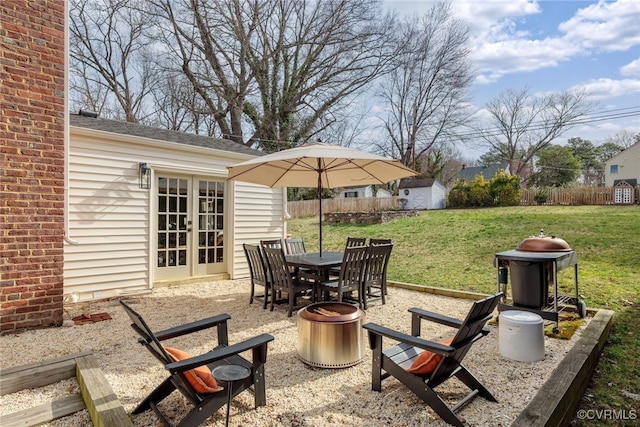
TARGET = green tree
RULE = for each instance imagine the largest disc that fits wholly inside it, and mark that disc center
(587, 155)
(505, 189)
(480, 192)
(556, 166)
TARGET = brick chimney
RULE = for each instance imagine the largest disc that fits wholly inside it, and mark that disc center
(32, 127)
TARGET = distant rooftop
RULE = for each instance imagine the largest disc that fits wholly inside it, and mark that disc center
(487, 171)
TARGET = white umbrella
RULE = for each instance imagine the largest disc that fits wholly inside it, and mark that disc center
(321, 166)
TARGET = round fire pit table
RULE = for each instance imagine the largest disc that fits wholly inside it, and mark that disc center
(330, 335)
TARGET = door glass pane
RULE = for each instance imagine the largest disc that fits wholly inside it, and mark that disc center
(172, 222)
(211, 221)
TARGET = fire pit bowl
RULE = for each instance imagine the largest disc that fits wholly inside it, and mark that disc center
(330, 335)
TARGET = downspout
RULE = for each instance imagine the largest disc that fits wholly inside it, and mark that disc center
(285, 210)
(67, 239)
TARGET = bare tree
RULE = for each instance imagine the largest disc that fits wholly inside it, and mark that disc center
(180, 108)
(624, 139)
(427, 93)
(111, 57)
(270, 71)
(522, 124)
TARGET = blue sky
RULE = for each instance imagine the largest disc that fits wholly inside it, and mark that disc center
(552, 46)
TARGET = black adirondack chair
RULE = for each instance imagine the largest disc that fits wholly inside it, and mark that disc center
(204, 404)
(395, 360)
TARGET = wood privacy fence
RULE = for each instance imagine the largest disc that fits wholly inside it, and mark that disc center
(301, 208)
(573, 196)
(557, 196)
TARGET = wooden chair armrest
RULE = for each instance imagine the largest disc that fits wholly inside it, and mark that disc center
(218, 354)
(189, 328)
(375, 329)
(435, 317)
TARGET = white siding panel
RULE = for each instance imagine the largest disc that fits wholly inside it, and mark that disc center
(109, 216)
(258, 214)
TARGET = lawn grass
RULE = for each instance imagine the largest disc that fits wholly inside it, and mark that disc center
(455, 249)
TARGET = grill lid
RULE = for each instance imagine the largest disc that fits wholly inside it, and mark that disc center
(544, 243)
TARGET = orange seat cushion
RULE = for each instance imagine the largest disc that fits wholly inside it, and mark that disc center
(200, 378)
(427, 361)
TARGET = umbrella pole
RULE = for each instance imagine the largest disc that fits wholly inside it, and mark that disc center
(320, 202)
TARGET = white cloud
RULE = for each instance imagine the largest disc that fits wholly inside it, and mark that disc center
(605, 26)
(608, 88)
(500, 48)
(493, 17)
(513, 56)
(632, 69)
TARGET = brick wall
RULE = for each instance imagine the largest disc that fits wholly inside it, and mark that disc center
(32, 130)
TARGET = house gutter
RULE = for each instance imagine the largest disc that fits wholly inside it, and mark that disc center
(67, 144)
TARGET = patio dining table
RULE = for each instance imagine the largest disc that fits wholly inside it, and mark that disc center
(313, 261)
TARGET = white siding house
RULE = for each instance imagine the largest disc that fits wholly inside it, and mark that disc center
(423, 194)
(190, 223)
(624, 165)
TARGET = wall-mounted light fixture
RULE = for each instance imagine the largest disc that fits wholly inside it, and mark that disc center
(144, 176)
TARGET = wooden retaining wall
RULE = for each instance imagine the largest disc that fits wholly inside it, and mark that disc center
(96, 395)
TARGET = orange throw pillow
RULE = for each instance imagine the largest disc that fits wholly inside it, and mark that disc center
(200, 378)
(427, 361)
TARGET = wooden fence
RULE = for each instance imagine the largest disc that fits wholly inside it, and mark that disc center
(301, 208)
(574, 196)
(557, 196)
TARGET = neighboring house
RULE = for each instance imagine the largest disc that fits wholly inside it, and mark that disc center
(468, 174)
(423, 194)
(624, 165)
(189, 223)
(366, 191)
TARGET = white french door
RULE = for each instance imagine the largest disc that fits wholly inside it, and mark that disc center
(189, 224)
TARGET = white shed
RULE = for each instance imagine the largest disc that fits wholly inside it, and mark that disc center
(423, 194)
(151, 206)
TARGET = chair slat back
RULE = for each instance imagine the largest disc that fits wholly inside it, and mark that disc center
(373, 241)
(295, 245)
(355, 241)
(377, 259)
(257, 265)
(352, 267)
(278, 268)
(274, 243)
(470, 331)
(147, 337)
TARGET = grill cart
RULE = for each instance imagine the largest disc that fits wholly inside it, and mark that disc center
(534, 268)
